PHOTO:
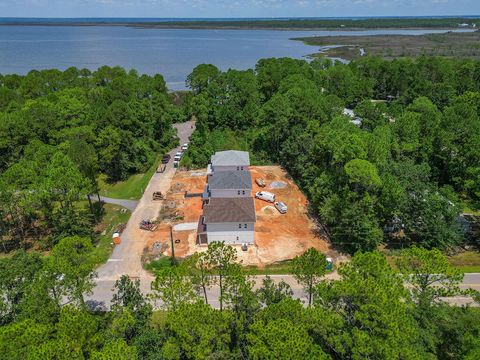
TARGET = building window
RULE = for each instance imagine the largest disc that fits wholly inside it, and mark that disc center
(239, 226)
(245, 226)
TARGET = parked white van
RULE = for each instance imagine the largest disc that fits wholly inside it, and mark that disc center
(266, 196)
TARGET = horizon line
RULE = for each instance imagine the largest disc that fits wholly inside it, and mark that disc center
(259, 17)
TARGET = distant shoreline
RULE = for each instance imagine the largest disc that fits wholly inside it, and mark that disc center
(300, 24)
(179, 27)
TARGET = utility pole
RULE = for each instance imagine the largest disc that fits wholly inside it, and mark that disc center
(172, 245)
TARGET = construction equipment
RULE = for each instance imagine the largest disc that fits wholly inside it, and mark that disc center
(157, 195)
(148, 225)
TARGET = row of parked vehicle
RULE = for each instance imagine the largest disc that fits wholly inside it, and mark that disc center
(270, 197)
(179, 155)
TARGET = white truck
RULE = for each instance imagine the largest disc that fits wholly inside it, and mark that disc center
(265, 196)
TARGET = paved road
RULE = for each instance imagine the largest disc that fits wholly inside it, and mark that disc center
(104, 290)
(125, 258)
(129, 204)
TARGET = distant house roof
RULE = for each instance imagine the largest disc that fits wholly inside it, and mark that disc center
(230, 180)
(229, 210)
(348, 112)
(231, 158)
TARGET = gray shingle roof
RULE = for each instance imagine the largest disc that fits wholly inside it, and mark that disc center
(229, 210)
(231, 158)
(230, 180)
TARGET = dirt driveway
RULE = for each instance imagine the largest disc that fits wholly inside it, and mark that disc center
(126, 257)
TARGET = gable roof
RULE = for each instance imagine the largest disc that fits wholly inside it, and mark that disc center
(230, 180)
(229, 210)
(231, 158)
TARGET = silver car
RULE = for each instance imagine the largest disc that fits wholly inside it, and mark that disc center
(281, 207)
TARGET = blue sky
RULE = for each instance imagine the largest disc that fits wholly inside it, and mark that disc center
(234, 8)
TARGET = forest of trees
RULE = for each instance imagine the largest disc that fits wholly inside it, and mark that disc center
(59, 131)
(409, 167)
(368, 314)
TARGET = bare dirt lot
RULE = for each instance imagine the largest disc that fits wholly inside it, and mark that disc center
(281, 237)
(277, 237)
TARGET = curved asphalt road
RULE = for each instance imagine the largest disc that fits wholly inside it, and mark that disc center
(129, 204)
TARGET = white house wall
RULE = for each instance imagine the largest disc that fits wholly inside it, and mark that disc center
(231, 233)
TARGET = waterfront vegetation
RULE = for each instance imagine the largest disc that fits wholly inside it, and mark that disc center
(271, 24)
(450, 44)
(345, 24)
(367, 313)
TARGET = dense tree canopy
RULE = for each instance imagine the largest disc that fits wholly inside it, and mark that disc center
(395, 172)
(59, 131)
(367, 313)
(404, 162)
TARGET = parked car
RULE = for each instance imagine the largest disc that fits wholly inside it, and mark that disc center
(260, 182)
(176, 163)
(265, 196)
(281, 207)
(166, 158)
(185, 147)
(178, 156)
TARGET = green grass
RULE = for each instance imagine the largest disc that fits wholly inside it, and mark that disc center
(114, 215)
(130, 189)
(467, 261)
(282, 268)
(470, 207)
(159, 264)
